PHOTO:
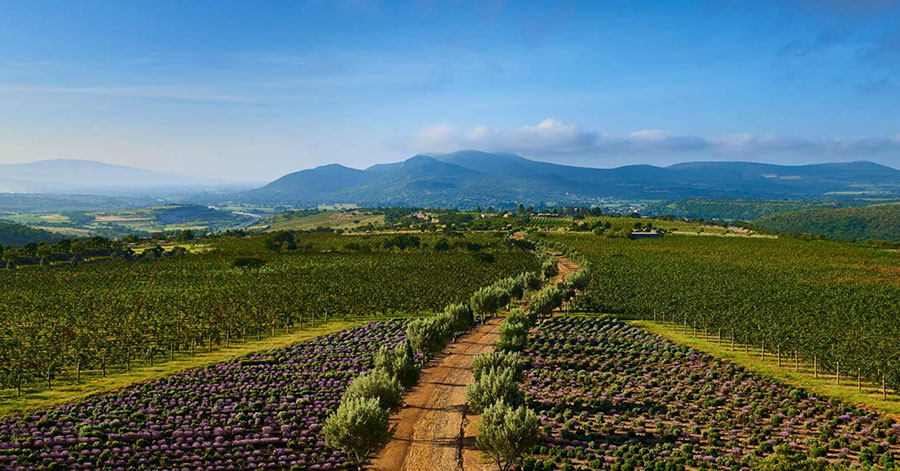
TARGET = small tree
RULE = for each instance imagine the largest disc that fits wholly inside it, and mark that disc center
(486, 301)
(376, 384)
(428, 335)
(460, 317)
(513, 337)
(358, 428)
(497, 360)
(496, 384)
(399, 363)
(506, 434)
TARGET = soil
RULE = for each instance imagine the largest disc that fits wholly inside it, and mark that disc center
(430, 424)
(433, 431)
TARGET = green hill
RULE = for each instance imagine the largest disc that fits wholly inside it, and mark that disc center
(18, 234)
(878, 222)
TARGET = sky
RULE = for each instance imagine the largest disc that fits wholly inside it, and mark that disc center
(251, 90)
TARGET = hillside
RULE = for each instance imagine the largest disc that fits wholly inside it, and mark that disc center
(878, 222)
(97, 178)
(19, 234)
(470, 178)
(729, 210)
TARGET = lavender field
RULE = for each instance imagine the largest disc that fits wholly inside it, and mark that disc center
(264, 411)
(613, 396)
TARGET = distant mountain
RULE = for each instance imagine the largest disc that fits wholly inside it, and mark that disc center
(877, 222)
(468, 178)
(68, 176)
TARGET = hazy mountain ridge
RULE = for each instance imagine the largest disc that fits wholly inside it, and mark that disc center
(67, 176)
(474, 177)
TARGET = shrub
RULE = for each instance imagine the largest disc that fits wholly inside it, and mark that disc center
(506, 434)
(495, 385)
(428, 336)
(498, 360)
(377, 384)
(513, 337)
(358, 428)
(399, 364)
(460, 316)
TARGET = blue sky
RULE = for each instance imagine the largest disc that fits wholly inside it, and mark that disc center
(256, 89)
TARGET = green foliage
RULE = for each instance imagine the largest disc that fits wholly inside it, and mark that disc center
(546, 300)
(19, 234)
(796, 462)
(460, 317)
(728, 209)
(429, 335)
(878, 222)
(113, 312)
(498, 361)
(376, 384)
(399, 363)
(834, 302)
(506, 434)
(358, 428)
(513, 336)
(495, 384)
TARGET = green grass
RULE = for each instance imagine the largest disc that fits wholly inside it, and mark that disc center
(64, 393)
(329, 219)
(825, 385)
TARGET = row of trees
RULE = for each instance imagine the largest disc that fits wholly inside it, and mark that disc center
(360, 425)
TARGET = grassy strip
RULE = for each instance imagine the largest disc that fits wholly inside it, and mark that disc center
(42, 399)
(825, 385)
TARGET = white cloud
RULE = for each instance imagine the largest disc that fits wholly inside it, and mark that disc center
(552, 137)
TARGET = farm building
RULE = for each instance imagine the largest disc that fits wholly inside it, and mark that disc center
(645, 235)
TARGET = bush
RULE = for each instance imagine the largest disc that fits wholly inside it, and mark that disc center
(546, 300)
(506, 434)
(486, 301)
(358, 428)
(495, 385)
(549, 268)
(377, 384)
(498, 360)
(513, 337)
(399, 364)
(460, 317)
(519, 316)
(428, 336)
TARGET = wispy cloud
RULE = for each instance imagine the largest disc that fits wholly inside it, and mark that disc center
(152, 92)
(554, 137)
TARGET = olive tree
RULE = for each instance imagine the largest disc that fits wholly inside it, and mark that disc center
(495, 384)
(485, 362)
(358, 428)
(506, 434)
(379, 385)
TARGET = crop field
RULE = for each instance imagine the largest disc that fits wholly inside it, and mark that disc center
(263, 411)
(327, 219)
(833, 303)
(59, 323)
(613, 396)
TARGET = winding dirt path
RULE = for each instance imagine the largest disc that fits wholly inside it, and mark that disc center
(433, 431)
(431, 422)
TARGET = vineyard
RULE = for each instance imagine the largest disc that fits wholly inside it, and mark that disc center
(64, 321)
(832, 304)
(612, 396)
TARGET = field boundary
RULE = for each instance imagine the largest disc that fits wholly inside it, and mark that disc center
(800, 374)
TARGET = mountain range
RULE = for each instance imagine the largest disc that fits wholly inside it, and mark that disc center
(71, 176)
(468, 178)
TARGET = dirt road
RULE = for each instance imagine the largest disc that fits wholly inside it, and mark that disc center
(430, 425)
(433, 431)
